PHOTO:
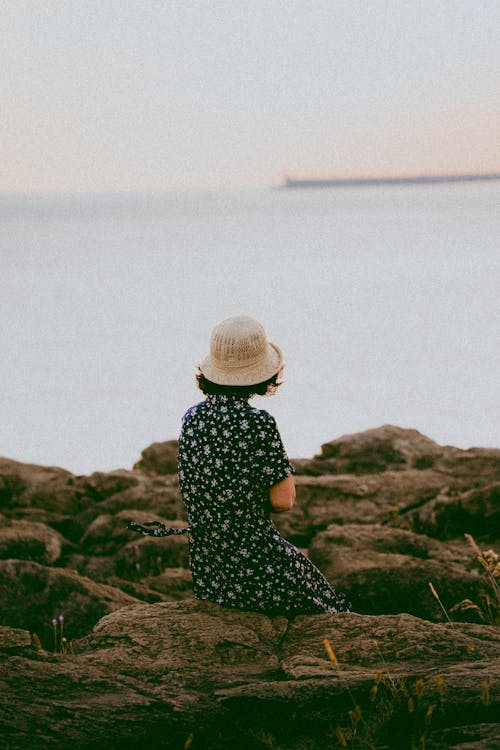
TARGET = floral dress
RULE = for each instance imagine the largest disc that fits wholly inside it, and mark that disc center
(230, 454)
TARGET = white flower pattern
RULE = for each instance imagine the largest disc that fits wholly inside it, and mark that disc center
(230, 454)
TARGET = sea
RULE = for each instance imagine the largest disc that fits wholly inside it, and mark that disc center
(385, 302)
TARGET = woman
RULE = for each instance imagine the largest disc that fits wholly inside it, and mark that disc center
(233, 471)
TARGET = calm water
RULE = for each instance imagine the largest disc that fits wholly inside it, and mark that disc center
(385, 302)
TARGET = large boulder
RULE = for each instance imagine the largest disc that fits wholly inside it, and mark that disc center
(160, 494)
(27, 485)
(475, 512)
(31, 595)
(159, 458)
(101, 485)
(149, 556)
(70, 503)
(349, 498)
(388, 570)
(191, 673)
(475, 467)
(30, 540)
(376, 450)
(391, 448)
(108, 534)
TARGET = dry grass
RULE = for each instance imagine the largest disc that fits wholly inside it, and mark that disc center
(487, 607)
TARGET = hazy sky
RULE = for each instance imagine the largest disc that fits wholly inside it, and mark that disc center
(117, 94)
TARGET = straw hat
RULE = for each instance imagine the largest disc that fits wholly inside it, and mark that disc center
(240, 353)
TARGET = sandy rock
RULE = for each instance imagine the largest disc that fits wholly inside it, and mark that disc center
(30, 540)
(32, 594)
(159, 458)
(155, 675)
(387, 570)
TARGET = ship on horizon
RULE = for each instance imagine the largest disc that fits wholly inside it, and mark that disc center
(420, 179)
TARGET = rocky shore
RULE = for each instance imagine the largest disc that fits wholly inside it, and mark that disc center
(102, 644)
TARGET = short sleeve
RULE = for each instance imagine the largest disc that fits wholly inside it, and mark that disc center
(271, 464)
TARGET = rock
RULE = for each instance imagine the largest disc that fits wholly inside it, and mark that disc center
(159, 458)
(348, 498)
(168, 675)
(477, 466)
(14, 640)
(476, 512)
(98, 568)
(32, 594)
(28, 485)
(30, 541)
(108, 534)
(377, 450)
(69, 503)
(174, 583)
(383, 513)
(394, 448)
(158, 494)
(149, 556)
(387, 570)
(101, 485)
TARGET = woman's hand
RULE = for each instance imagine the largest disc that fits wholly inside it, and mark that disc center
(282, 495)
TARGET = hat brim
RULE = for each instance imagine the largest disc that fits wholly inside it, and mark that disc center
(245, 375)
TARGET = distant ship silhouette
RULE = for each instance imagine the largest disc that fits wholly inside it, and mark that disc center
(422, 179)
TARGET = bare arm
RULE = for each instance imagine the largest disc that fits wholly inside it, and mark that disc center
(282, 495)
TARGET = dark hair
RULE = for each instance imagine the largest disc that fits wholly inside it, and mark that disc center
(267, 387)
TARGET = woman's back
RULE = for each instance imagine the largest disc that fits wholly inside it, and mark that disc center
(230, 455)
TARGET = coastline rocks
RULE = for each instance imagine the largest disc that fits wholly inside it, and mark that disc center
(478, 466)
(391, 448)
(476, 512)
(387, 570)
(149, 556)
(32, 594)
(172, 675)
(31, 486)
(108, 535)
(363, 499)
(14, 640)
(159, 458)
(377, 450)
(31, 540)
(101, 485)
(382, 514)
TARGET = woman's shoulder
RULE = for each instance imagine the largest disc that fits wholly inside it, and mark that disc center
(192, 412)
(261, 417)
